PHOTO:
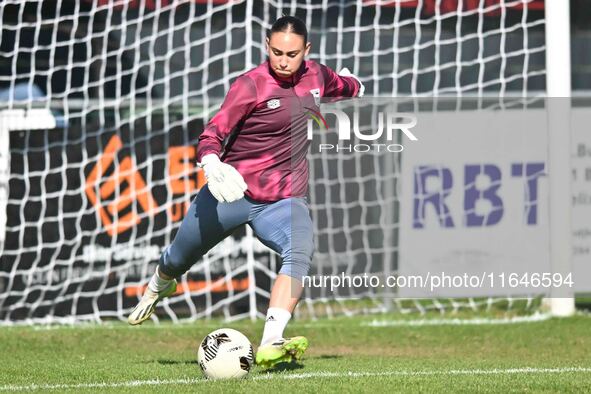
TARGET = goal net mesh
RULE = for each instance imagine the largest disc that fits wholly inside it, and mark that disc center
(101, 105)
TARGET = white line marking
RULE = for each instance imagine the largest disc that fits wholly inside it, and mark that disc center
(309, 375)
(457, 322)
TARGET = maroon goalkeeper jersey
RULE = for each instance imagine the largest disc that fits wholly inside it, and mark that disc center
(261, 128)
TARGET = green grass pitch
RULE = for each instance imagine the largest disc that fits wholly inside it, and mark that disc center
(345, 355)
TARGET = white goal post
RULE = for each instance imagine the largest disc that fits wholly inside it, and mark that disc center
(558, 80)
(102, 101)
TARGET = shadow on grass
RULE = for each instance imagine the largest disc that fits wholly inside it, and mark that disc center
(282, 367)
(327, 357)
(294, 365)
(174, 362)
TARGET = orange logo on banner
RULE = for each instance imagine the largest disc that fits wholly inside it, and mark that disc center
(181, 165)
(221, 285)
(124, 186)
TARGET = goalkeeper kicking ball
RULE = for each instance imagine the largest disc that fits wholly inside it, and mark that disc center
(225, 354)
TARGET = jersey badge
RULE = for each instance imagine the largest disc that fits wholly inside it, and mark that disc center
(316, 94)
(274, 103)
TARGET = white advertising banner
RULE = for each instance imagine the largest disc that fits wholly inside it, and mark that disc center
(474, 204)
(581, 162)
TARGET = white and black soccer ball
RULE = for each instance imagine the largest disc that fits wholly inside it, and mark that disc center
(225, 354)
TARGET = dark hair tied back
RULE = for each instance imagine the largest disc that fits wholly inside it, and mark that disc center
(289, 24)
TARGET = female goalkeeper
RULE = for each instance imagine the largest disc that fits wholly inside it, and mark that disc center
(253, 152)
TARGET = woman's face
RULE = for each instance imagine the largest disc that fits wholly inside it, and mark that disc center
(286, 52)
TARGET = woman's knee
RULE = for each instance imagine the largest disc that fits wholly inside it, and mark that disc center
(298, 259)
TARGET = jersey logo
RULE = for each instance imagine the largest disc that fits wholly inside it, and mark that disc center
(316, 94)
(272, 104)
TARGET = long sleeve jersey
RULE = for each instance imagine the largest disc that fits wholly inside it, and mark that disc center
(261, 128)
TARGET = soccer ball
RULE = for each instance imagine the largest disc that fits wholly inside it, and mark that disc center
(225, 354)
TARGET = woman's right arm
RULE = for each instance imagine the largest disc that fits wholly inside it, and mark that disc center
(239, 102)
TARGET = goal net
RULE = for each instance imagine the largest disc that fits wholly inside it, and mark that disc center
(101, 105)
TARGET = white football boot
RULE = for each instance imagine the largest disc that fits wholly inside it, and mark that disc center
(147, 304)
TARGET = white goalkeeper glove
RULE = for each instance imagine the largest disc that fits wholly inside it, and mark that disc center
(346, 73)
(225, 182)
